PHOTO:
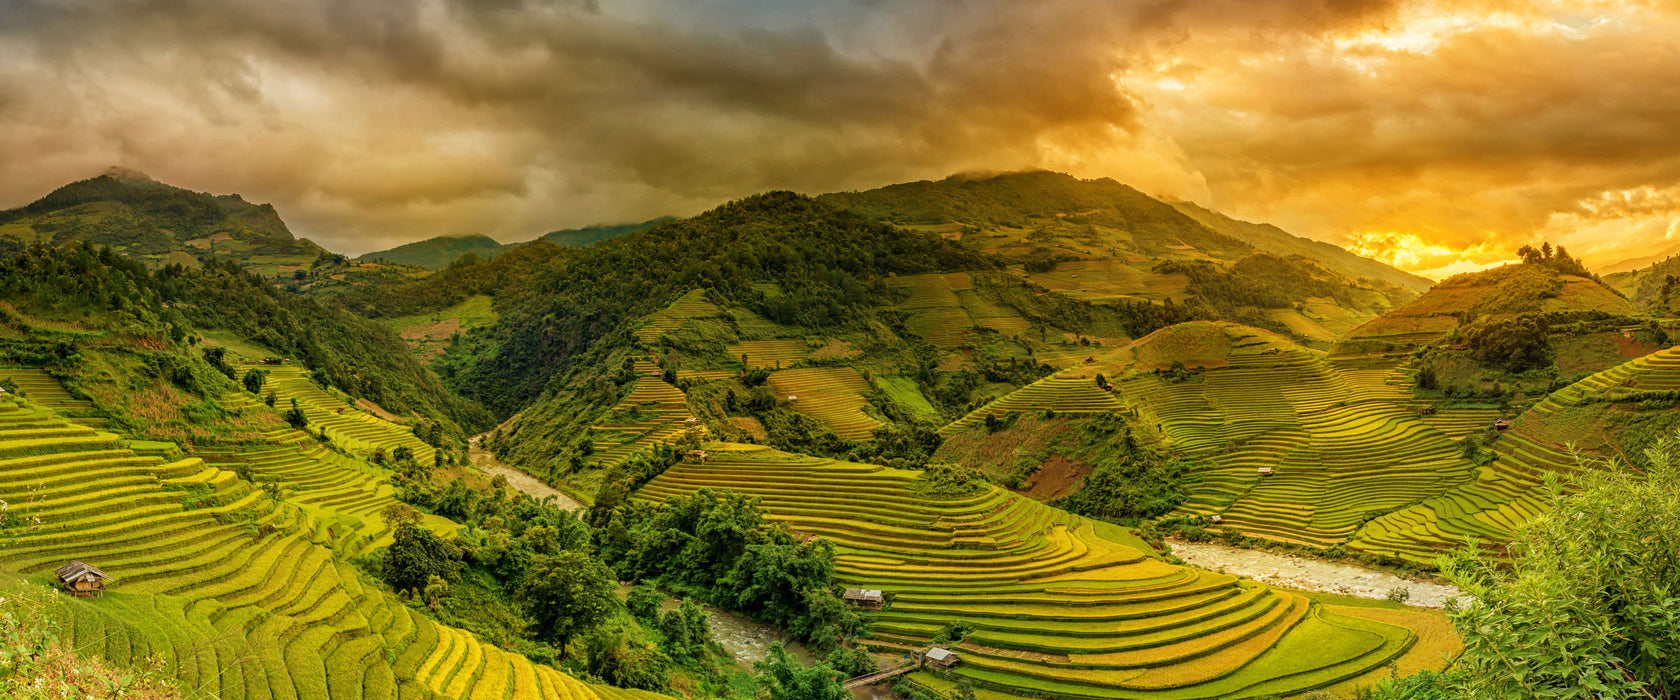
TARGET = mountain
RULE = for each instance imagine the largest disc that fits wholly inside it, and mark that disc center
(1280, 242)
(1502, 292)
(1099, 240)
(579, 237)
(141, 218)
(1635, 264)
(438, 253)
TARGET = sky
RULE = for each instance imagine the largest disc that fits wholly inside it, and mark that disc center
(1435, 136)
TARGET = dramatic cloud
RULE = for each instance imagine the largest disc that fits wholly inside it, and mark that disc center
(1430, 135)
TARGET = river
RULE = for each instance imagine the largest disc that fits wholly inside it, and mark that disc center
(486, 462)
(1305, 574)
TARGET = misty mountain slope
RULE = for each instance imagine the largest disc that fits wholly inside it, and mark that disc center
(1278, 241)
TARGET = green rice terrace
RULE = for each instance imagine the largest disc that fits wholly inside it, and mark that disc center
(244, 595)
(1581, 417)
(1060, 606)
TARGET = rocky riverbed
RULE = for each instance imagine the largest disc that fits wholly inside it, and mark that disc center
(1305, 574)
(518, 480)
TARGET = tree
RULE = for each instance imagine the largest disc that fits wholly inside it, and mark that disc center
(416, 555)
(254, 379)
(568, 594)
(1590, 607)
(295, 417)
(783, 678)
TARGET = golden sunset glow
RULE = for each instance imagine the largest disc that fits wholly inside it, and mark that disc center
(1470, 128)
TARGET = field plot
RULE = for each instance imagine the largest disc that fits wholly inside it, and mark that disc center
(690, 305)
(1510, 490)
(260, 611)
(945, 308)
(1337, 444)
(654, 412)
(1110, 280)
(1061, 606)
(1071, 392)
(350, 427)
(771, 354)
(1341, 446)
(833, 395)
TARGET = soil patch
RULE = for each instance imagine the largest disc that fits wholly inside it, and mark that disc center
(377, 410)
(751, 426)
(1056, 477)
(441, 330)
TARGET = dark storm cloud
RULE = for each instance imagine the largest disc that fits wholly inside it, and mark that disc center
(369, 123)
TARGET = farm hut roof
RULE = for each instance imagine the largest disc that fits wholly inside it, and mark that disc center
(862, 594)
(938, 654)
(78, 571)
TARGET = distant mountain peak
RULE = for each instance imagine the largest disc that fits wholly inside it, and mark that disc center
(128, 175)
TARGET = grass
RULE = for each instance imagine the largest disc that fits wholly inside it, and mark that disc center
(904, 391)
(1061, 606)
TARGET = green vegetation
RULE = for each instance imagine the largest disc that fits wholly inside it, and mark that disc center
(1586, 608)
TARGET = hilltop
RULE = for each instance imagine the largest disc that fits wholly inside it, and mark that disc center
(159, 224)
(1099, 240)
(441, 252)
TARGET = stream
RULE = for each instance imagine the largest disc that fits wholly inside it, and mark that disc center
(520, 481)
(1307, 574)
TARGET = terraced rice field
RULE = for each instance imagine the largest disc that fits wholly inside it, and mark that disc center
(1338, 443)
(266, 611)
(1509, 491)
(653, 412)
(944, 308)
(833, 395)
(771, 354)
(43, 390)
(689, 306)
(1062, 607)
(349, 427)
(1072, 392)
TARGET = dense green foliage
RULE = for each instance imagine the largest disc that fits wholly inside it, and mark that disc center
(357, 356)
(785, 679)
(437, 253)
(1589, 608)
(829, 266)
(566, 593)
(1131, 482)
(718, 546)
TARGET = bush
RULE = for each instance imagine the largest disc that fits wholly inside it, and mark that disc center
(1399, 594)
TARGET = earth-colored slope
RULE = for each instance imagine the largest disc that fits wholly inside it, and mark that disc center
(242, 595)
(1061, 606)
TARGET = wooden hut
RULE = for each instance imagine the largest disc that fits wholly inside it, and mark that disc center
(698, 455)
(941, 658)
(866, 598)
(1502, 424)
(1264, 471)
(82, 580)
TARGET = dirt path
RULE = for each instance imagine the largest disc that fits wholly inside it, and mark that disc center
(520, 481)
(1305, 574)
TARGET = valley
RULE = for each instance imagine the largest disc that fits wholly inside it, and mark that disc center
(1094, 444)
